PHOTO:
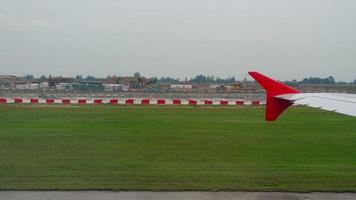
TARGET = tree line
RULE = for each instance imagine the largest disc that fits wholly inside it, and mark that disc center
(200, 79)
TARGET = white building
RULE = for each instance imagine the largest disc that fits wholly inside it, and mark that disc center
(23, 86)
(111, 87)
(214, 86)
(61, 86)
(125, 87)
(181, 86)
(34, 86)
(44, 85)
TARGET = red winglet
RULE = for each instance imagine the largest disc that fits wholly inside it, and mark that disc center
(274, 106)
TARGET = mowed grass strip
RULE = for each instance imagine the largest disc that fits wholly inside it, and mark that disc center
(175, 148)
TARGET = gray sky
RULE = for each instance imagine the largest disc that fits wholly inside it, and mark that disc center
(286, 39)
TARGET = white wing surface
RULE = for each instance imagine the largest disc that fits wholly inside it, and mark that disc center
(336, 102)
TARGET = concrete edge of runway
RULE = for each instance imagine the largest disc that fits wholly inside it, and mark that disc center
(113, 195)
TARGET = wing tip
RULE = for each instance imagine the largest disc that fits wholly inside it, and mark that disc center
(275, 106)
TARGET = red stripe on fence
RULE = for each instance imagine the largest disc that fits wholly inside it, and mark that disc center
(65, 101)
(17, 100)
(50, 101)
(240, 103)
(255, 103)
(114, 101)
(82, 101)
(177, 101)
(129, 101)
(3, 100)
(208, 102)
(224, 102)
(98, 101)
(161, 101)
(33, 101)
(145, 101)
(192, 102)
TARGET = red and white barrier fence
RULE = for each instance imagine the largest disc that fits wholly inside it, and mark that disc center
(132, 101)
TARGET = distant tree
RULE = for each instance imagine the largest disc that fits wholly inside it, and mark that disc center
(330, 80)
(228, 80)
(167, 80)
(355, 81)
(43, 78)
(199, 79)
(29, 77)
(79, 78)
(137, 75)
(211, 79)
(316, 80)
(90, 78)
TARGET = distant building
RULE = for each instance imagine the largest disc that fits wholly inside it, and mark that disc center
(111, 80)
(22, 86)
(34, 86)
(129, 80)
(182, 86)
(111, 87)
(215, 86)
(9, 82)
(44, 85)
(115, 87)
(54, 81)
(62, 86)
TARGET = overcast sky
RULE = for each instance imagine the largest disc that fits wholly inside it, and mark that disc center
(286, 39)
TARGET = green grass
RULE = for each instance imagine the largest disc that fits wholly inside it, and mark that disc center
(175, 148)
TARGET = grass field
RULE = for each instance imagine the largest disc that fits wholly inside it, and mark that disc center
(175, 148)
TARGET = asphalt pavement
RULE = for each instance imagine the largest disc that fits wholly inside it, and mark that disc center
(111, 195)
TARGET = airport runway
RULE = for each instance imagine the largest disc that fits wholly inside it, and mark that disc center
(109, 195)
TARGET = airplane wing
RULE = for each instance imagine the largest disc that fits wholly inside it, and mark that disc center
(280, 96)
(340, 103)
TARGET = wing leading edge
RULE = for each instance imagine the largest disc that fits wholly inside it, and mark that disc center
(279, 97)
